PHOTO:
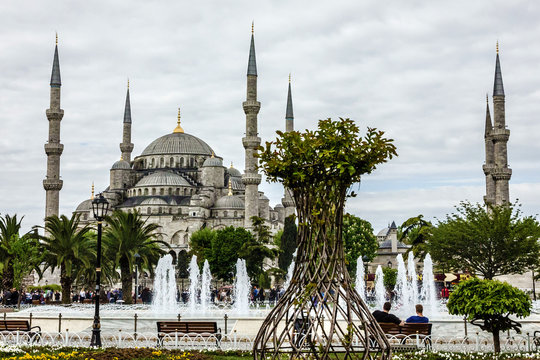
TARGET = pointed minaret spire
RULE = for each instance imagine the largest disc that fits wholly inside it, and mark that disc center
(53, 148)
(178, 128)
(498, 88)
(126, 146)
(289, 117)
(488, 119)
(55, 75)
(92, 194)
(252, 63)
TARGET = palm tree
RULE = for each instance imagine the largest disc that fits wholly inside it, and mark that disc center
(416, 232)
(125, 235)
(68, 246)
(9, 233)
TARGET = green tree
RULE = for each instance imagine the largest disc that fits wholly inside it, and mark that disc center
(389, 278)
(200, 244)
(27, 257)
(67, 246)
(255, 249)
(182, 264)
(416, 232)
(287, 244)
(358, 240)
(224, 253)
(125, 235)
(10, 249)
(488, 304)
(492, 242)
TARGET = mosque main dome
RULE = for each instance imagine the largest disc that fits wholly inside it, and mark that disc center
(177, 143)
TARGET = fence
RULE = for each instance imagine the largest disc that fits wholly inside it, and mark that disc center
(476, 343)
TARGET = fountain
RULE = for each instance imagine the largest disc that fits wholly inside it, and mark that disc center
(164, 299)
(360, 278)
(193, 284)
(206, 283)
(413, 280)
(242, 288)
(428, 288)
(380, 291)
(290, 271)
(402, 290)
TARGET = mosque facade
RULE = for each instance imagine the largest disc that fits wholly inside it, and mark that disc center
(178, 181)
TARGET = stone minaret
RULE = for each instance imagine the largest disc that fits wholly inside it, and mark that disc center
(251, 141)
(496, 169)
(126, 146)
(52, 183)
(287, 201)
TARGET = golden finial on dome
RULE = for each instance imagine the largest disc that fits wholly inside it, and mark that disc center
(230, 188)
(289, 78)
(231, 165)
(497, 46)
(178, 128)
(56, 38)
(213, 155)
(92, 193)
(128, 83)
(487, 98)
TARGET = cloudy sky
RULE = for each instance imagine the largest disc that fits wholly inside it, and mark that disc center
(419, 70)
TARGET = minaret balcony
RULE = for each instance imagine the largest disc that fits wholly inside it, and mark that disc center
(251, 106)
(251, 179)
(126, 147)
(52, 184)
(251, 142)
(54, 148)
(488, 168)
(499, 135)
(501, 173)
(54, 114)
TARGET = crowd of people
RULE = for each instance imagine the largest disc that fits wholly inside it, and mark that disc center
(36, 296)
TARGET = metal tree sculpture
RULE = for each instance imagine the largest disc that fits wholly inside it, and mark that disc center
(320, 315)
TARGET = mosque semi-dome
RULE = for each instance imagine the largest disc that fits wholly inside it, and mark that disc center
(234, 172)
(229, 202)
(163, 178)
(154, 201)
(177, 143)
(86, 205)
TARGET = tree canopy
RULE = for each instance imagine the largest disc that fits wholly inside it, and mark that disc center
(492, 242)
(255, 249)
(358, 240)
(417, 232)
(488, 304)
(224, 251)
(287, 243)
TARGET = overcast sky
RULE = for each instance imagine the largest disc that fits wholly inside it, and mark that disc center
(419, 70)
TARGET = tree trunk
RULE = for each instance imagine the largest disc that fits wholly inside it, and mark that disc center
(127, 283)
(8, 275)
(496, 341)
(65, 282)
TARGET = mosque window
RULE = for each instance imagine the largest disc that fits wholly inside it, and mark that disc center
(236, 214)
(170, 191)
(181, 162)
(85, 216)
(161, 162)
(149, 210)
(139, 192)
(171, 162)
(190, 162)
(161, 191)
(154, 191)
(152, 164)
(160, 210)
(177, 191)
(170, 210)
(145, 191)
(190, 191)
(225, 214)
(185, 191)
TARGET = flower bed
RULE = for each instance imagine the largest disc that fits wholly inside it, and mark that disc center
(424, 355)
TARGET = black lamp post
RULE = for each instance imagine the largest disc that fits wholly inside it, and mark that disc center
(100, 206)
(137, 257)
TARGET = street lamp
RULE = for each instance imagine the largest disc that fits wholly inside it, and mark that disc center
(100, 206)
(137, 257)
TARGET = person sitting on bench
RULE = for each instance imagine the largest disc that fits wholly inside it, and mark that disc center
(419, 317)
(385, 316)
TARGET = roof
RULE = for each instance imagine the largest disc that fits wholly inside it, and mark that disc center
(289, 111)
(177, 143)
(387, 244)
(163, 178)
(86, 205)
(213, 162)
(55, 75)
(234, 172)
(121, 164)
(154, 201)
(236, 183)
(498, 88)
(169, 199)
(127, 109)
(229, 202)
(252, 63)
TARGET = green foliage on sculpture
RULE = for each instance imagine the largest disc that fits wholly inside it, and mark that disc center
(389, 278)
(488, 304)
(358, 240)
(493, 241)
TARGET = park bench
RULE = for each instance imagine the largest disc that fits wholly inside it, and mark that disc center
(409, 331)
(202, 328)
(13, 326)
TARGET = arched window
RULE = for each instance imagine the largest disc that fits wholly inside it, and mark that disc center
(225, 213)
(171, 162)
(139, 192)
(161, 162)
(153, 163)
(149, 210)
(236, 214)
(161, 191)
(153, 191)
(181, 162)
(160, 210)
(170, 191)
(190, 162)
(185, 191)
(177, 191)
(146, 191)
(170, 210)
(190, 191)
(186, 239)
